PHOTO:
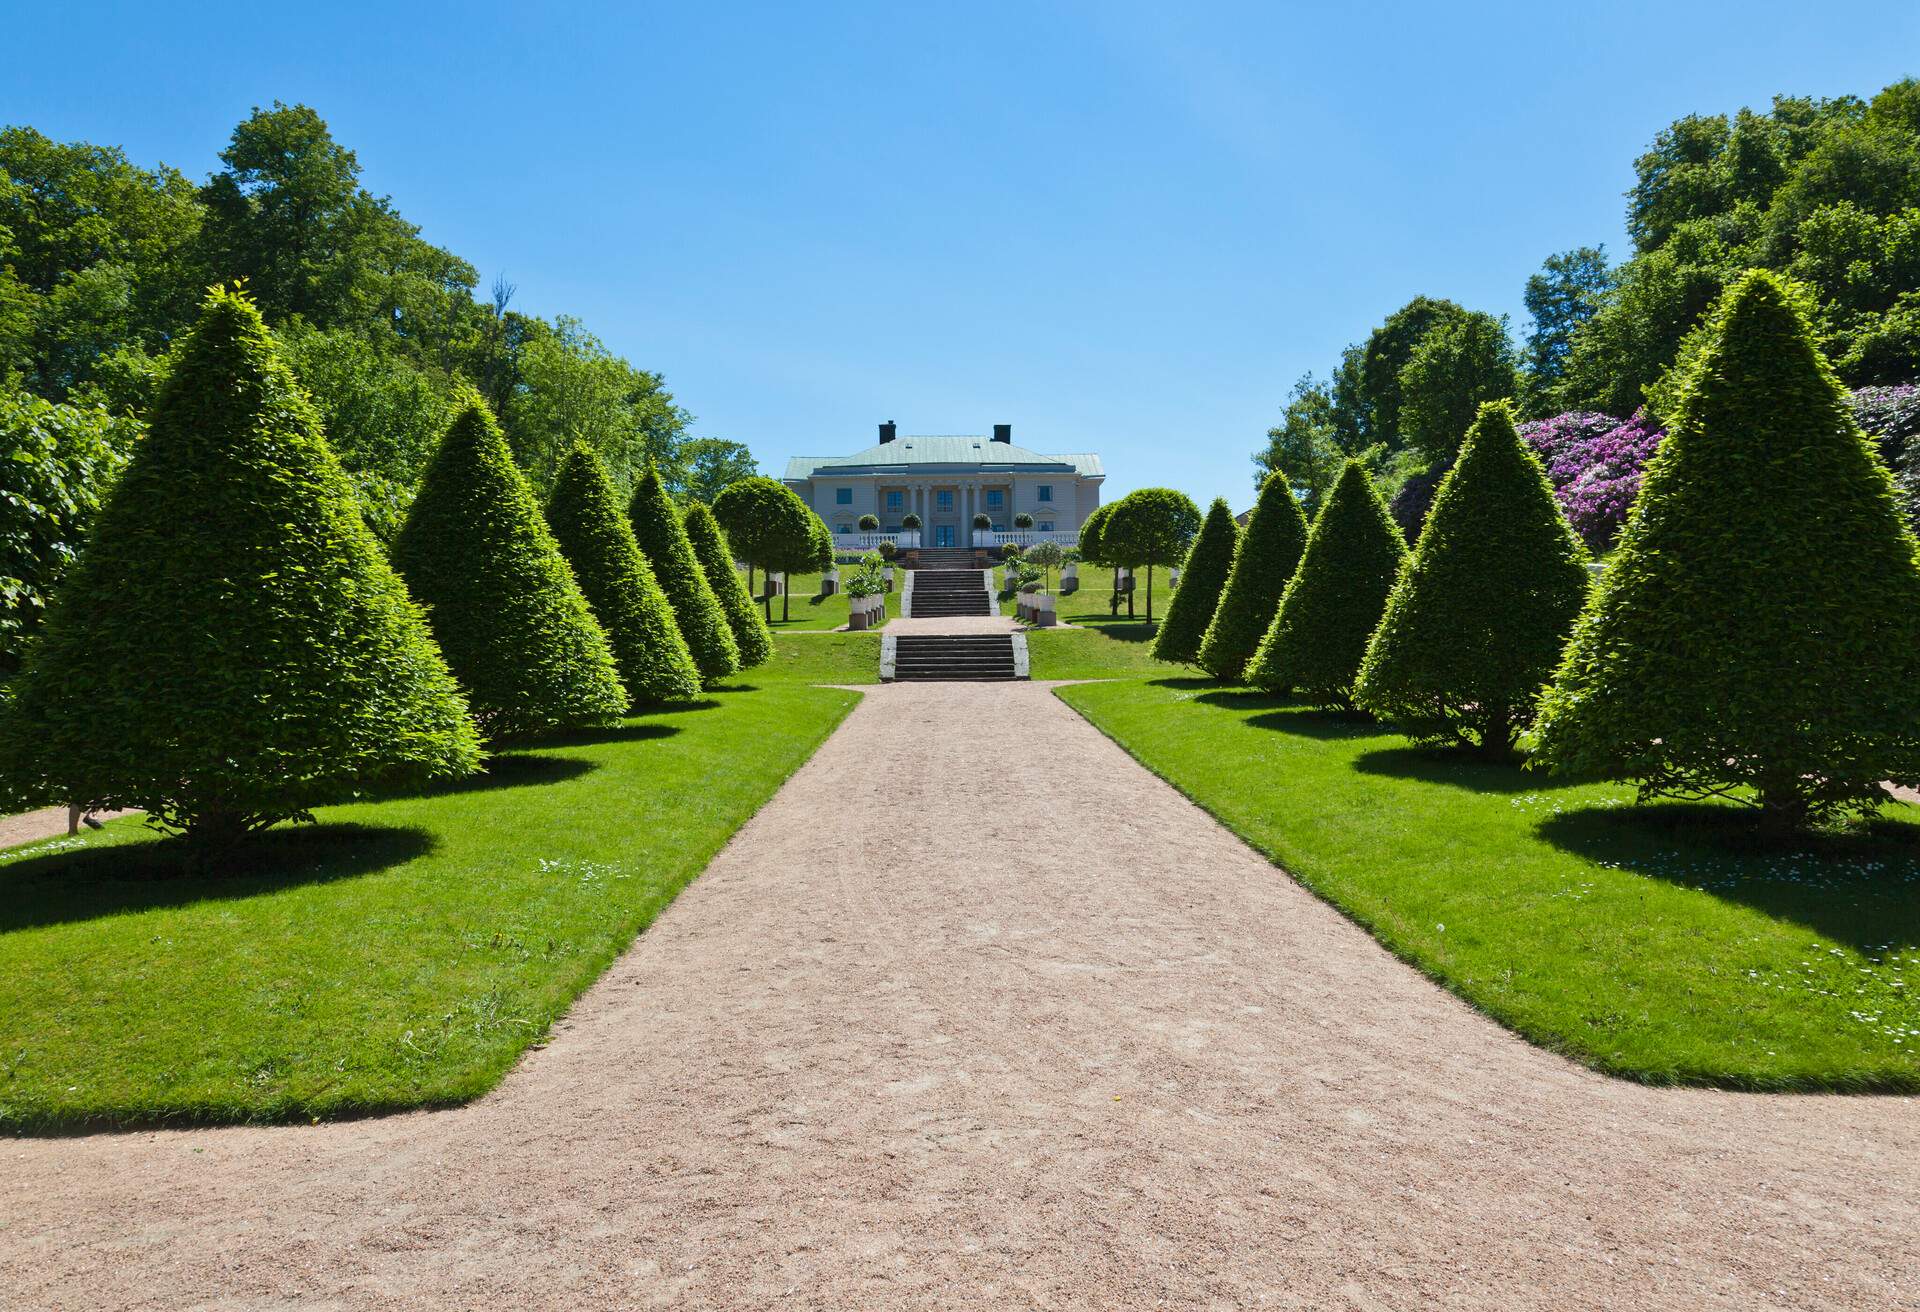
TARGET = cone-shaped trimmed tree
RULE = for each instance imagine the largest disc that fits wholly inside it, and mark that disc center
(1757, 631)
(1202, 577)
(1333, 604)
(716, 562)
(663, 540)
(232, 647)
(1478, 621)
(584, 514)
(502, 601)
(1265, 558)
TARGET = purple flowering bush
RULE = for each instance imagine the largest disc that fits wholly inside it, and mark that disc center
(1595, 463)
(1891, 417)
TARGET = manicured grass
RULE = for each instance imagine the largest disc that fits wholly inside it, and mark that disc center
(1665, 943)
(402, 952)
(806, 609)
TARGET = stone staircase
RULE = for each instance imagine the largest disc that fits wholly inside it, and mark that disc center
(945, 558)
(966, 657)
(942, 592)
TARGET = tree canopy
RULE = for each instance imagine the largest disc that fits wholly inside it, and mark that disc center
(1264, 559)
(1149, 526)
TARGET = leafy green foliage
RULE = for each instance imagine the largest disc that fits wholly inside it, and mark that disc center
(232, 648)
(710, 465)
(1306, 445)
(1477, 622)
(711, 549)
(663, 541)
(1093, 531)
(503, 603)
(58, 461)
(1388, 351)
(1334, 601)
(1264, 559)
(1149, 526)
(594, 536)
(765, 521)
(1566, 293)
(1203, 577)
(1758, 627)
(1462, 362)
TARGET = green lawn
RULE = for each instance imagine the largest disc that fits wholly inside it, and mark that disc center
(807, 609)
(1661, 943)
(401, 952)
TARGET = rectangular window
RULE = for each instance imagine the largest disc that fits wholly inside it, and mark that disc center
(893, 500)
(999, 526)
(994, 498)
(843, 528)
(944, 500)
(1046, 526)
(843, 496)
(1046, 491)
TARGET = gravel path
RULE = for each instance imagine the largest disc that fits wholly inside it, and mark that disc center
(1042, 1035)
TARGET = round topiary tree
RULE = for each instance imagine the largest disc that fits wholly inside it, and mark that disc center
(584, 514)
(663, 541)
(910, 520)
(1264, 559)
(766, 523)
(503, 604)
(1149, 526)
(716, 562)
(1478, 620)
(1756, 634)
(1202, 579)
(1023, 521)
(980, 521)
(1334, 601)
(869, 523)
(1092, 533)
(232, 647)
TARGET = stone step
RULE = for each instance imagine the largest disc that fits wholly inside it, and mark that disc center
(955, 657)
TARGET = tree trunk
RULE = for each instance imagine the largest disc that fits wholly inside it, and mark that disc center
(1149, 594)
(1497, 734)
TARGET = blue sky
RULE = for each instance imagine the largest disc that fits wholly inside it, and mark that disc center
(1119, 228)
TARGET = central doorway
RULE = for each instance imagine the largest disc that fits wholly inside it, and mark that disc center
(943, 535)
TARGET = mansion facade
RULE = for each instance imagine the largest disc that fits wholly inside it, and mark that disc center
(947, 481)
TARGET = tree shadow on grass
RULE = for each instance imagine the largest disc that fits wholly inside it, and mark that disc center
(67, 886)
(1120, 630)
(1311, 721)
(1858, 887)
(1460, 767)
(508, 770)
(612, 733)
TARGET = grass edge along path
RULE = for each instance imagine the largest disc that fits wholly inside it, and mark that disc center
(402, 953)
(1646, 943)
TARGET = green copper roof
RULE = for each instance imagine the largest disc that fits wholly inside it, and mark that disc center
(914, 452)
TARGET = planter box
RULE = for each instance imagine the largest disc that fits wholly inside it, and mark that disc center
(1044, 613)
(830, 583)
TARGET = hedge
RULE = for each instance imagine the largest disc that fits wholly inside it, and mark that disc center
(584, 514)
(710, 548)
(1264, 559)
(502, 601)
(232, 647)
(663, 541)
(1202, 578)
(1476, 625)
(1333, 603)
(1757, 632)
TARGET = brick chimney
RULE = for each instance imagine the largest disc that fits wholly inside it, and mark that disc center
(1003, 433)
(887, 432)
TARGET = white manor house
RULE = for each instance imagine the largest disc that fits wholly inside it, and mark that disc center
(947, 481)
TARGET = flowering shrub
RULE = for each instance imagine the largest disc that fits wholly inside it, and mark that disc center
(1595, 463)
(1891, 417)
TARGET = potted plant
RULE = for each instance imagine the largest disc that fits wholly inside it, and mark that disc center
(910, 523)
(1069, 571)
(1023, 521)
(866, 602)
(869, 523)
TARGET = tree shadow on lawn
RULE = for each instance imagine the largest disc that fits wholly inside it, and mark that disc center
(612, 733)
(67, 886)
(1860, 887)
(1121, 629)
(508, 770)
(1460, 767)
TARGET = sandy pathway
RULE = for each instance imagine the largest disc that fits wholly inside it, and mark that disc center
(1047, 1037)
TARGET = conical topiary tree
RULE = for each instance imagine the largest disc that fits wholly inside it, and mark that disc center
(594, 536)
(232, 647)
(1756, 633)
(501, 599)
(1202, 577)
(663, 540)
(1474, 628)
(716, 562)
(1264, 559)
(1333, 604)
